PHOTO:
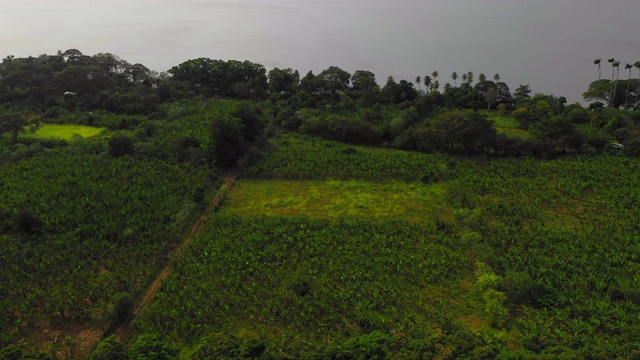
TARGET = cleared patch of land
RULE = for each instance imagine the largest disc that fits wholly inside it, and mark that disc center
(502, 121)
(413, 202)
(514, 133)
(64, 132)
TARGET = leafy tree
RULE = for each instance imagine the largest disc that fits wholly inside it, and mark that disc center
(522, 93)
(283, 80)
(228, 142)
(579, 115)
(365, 87)
(334, 80)
(32, 78)
(12, 123)
(462, 131)
(558, 133)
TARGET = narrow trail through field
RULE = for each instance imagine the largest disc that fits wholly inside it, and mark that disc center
(124, 331)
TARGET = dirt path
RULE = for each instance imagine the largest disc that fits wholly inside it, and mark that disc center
(124, 331)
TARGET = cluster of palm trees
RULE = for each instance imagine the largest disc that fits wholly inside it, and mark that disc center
(431, 83)
(489, 91)
(615, 65)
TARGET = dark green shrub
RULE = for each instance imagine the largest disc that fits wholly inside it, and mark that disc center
(120, 145)
(122, 306)
(27, 221)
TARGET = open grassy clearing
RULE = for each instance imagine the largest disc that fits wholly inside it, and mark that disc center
(64, 132)
(514, 133)
(507, 125)
(414, 202)
(501, 121)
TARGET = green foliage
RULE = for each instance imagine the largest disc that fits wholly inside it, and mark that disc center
(300, 157)
(151, 347)
(558, 134)
(123, 306)
(355, 276)
(120, 145)
(104, 224)
(227, 143)
(14, 124)
(27, 221)
(226, 346)
(367, 346)
(11, 352)
(109, 349)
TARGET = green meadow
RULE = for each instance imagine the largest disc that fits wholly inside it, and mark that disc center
(64, 132)
(412, 202)
(507, 125)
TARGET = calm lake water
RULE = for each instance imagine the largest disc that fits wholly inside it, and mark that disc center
(549, 44)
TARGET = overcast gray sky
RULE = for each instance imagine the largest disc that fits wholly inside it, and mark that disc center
(550, 44)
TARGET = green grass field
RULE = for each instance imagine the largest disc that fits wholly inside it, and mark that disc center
(413, 202)
(514, 133)
(501, 121)
(64, 132)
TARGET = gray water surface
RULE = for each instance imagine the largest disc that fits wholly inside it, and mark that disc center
(549, 44)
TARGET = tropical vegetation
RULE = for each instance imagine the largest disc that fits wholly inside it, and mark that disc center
(368, 222)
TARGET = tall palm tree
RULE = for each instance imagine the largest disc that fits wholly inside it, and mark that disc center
(454, 76)
(496, 78)
(637, 66)
(464, 78)
(481, 79)
(616, 64)
(418, 81)
(435, 75)
(613, 72)
(426, 80)
(627, 66)
(436, 85)
(597, 62)
(470, 77)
